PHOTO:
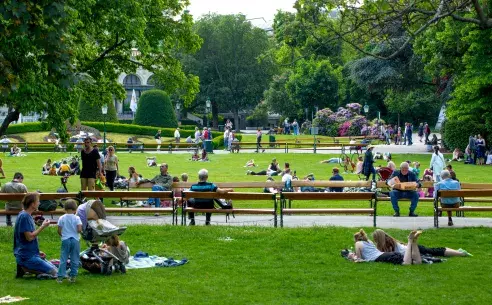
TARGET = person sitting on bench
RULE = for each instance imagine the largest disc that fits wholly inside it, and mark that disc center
(448, 184)
(204, 186)
(401, 176)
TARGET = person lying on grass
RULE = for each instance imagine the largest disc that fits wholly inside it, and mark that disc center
(387, 243)
(366, 251)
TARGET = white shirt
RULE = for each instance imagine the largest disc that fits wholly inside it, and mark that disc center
(69, 223)
(286, 177)
(176, 134)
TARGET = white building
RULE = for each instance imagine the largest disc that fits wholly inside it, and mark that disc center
(23, 118)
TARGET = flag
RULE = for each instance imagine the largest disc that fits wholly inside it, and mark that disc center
(133, 102)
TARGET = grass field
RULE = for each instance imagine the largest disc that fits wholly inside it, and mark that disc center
(229, 168)
(254, 265)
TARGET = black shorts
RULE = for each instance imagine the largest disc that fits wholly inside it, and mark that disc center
(431, 251)
(390, 257)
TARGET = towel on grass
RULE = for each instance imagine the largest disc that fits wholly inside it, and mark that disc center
(153, 261)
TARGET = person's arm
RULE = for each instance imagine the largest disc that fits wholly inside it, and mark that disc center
(60, 230)
(30, 236)
(358, 249)
(79, 228)
(117, 166)
(99, 166)
(224, 191)
(437, 186)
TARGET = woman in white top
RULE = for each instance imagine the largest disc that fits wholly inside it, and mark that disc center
(437, 164)
(111, 167)
(134, 176)
(46, 167)
(366, 251)
(387, 243)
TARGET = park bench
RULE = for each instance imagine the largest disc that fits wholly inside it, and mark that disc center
(469, 194)
(230, 196)
(97, 194)
(370, 196)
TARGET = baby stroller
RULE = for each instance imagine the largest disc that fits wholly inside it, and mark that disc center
(384, 173)
(95, 229)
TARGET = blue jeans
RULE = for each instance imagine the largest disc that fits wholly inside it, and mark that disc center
(70, 249)
(373, 172)
(156, 201)
(36, 263)
(396, 195)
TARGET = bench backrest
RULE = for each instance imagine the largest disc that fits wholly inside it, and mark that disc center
(328, 196)
(465, 193)
(230, 195)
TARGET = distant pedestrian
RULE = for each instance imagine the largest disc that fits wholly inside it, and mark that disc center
(157, 138)
(177, 135)
(421, 132)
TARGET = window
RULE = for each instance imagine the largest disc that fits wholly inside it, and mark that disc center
(131, 80)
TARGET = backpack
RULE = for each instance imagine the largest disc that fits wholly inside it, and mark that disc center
(226, 205)
(47, 205)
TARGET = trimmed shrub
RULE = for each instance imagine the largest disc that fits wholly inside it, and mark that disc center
(456, 133)
(187, 127)
(155, 109)
(93, 113)
(218, 141)
(125, 121)
(189, 122)
(27, 127)
(143, 130)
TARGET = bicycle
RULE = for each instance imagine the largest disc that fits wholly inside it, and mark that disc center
(348, 161)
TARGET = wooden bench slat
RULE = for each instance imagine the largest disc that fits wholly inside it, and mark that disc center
(328, 211)
(231, 195)
(470, 209)
(328, 196)
(406, 199)
(465, 193)
(327, 183)
(229, 211)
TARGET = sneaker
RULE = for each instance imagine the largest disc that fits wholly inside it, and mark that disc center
(72, 279)
(397, 214)
(192, 223)
(248, 173)
(450, 223)
(412, 215)
(464, 252)
(59, 280)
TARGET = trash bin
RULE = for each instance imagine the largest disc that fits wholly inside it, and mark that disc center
(209, 146)
(221, 127)
(271, 139)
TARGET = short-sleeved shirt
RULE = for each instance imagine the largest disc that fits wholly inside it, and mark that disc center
(89, 164)
(163, 180)
(13, 187)
(69, 223)
(203, 187)
(64, 168)
(110, 163)
(23, 248)
(336, 177)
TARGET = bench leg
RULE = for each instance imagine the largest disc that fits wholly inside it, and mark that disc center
(375, 211)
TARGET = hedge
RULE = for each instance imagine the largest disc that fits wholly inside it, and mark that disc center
(111, 127)
(456, 133)
(218, 142)
(187, 127)
(27, 127)
(189, 122)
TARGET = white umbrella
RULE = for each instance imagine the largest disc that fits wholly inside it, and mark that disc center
(133, 102)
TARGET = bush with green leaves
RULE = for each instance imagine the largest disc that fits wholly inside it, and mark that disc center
(155, 109)
(88, 112)
(27, 127)
(455, 133)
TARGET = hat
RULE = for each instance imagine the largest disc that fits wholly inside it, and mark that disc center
(370, 146)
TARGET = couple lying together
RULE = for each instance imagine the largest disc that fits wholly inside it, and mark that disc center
(387, 249)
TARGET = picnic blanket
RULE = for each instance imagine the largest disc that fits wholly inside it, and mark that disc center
(154, 261)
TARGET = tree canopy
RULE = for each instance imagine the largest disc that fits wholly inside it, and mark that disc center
(54, 53)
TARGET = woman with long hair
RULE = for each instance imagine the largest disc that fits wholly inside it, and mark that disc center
(387, 243)
(134, 176)
(366, 251)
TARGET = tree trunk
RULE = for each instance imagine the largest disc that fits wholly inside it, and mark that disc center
(215, 115)
(12, 116)
(236, 119)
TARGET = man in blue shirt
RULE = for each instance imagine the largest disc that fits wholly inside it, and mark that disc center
(204, 186)
(404, 175)
(336, 177)
(448, 184)
(26, 247)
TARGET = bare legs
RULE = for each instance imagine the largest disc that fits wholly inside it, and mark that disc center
(452, 252)
(412, 253)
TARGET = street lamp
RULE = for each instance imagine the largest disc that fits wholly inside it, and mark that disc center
(178, 107)
(208, 104)
(104, 110)
(366, 109)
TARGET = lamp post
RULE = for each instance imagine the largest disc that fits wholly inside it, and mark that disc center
(366, 110)
(178, 107)
(104, 110)
(208, 104)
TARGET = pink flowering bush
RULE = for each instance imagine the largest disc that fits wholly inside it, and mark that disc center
(345, 122)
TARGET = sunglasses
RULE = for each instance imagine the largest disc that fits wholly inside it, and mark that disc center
(110, 149)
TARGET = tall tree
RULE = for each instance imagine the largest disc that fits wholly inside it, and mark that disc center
(228, 64)
(54, 53)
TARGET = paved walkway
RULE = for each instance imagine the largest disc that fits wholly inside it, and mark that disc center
(385, 222)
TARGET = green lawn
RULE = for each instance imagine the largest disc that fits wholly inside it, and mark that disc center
(264, 266)
(229, 168)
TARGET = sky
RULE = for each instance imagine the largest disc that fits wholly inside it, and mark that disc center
(265, 9)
